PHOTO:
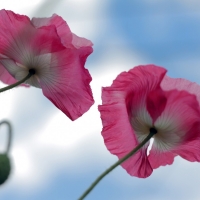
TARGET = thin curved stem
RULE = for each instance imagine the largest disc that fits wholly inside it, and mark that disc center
(9, 134)
(120, 161)
(17, 83)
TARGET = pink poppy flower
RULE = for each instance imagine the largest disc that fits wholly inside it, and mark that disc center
(145, 98)
(57, 56)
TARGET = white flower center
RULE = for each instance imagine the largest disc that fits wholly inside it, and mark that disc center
(168, 134)
(40, 64)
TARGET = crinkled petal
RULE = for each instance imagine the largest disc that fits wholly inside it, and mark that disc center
(67, 37)
(123, 100)
(62, 28)
(157, 158)
(169, 83)
(67, 84)
(189, 151)
(138, 165)
(189, 148)
(12, 28)
(80, 42)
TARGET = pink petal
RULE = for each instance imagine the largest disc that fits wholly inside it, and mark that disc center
(157, 158)
(169, 83)
(62, 28)
(67, 37)
(67, 85)
(156, 102)
(125, 97)
(79, 42)
(11, 26)
(189, 149)
(138, 165)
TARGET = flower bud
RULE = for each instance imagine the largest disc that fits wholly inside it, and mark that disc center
(4, 167)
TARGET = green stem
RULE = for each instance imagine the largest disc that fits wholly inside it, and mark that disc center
(17, 83)
(9, 134)
(116, 164)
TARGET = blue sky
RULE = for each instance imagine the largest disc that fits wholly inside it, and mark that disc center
(54, 158)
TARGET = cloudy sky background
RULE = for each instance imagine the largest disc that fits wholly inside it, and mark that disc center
(54, 158)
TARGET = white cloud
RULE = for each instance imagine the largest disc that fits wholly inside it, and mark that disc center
(20, 6)
(190, 4)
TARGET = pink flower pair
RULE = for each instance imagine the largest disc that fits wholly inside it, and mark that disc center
(137, 101)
